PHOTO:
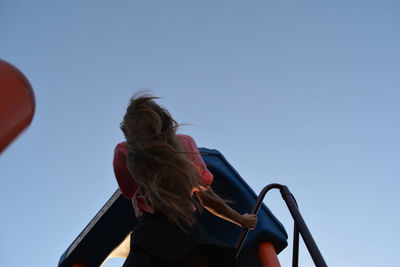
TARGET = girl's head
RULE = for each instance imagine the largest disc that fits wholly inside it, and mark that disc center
(145, 119)
(156, 160)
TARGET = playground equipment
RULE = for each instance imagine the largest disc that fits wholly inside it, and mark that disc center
(17, 103)
(108, 233)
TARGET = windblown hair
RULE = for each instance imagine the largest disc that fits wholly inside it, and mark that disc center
(157, 162)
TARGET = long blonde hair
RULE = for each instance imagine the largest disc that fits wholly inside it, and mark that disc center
(157, 162)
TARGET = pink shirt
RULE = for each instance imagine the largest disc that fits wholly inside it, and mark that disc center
(129, 187)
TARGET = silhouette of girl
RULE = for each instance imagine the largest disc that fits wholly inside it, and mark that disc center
(161, 171)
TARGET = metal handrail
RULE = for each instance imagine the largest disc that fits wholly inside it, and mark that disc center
(295, 257)
(300, 226)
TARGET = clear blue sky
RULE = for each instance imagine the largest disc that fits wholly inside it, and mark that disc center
(304, 93)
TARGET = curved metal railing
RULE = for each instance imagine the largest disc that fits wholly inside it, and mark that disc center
(299, 226)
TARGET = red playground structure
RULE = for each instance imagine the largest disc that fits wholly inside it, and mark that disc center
(17, 103)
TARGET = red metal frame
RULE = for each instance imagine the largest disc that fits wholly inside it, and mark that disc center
(268, 255)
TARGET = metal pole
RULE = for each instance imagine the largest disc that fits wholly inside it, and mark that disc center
(305, 233)
(295, 259)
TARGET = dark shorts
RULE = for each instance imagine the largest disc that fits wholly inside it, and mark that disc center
(157, 242)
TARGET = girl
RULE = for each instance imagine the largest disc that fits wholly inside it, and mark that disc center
(161, 171)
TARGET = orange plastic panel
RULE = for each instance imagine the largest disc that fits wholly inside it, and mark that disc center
(268, 255)
(17, 103)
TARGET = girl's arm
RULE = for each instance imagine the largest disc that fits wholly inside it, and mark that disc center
(214, 204)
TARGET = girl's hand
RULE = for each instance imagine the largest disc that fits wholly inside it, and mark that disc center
(249, 221)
